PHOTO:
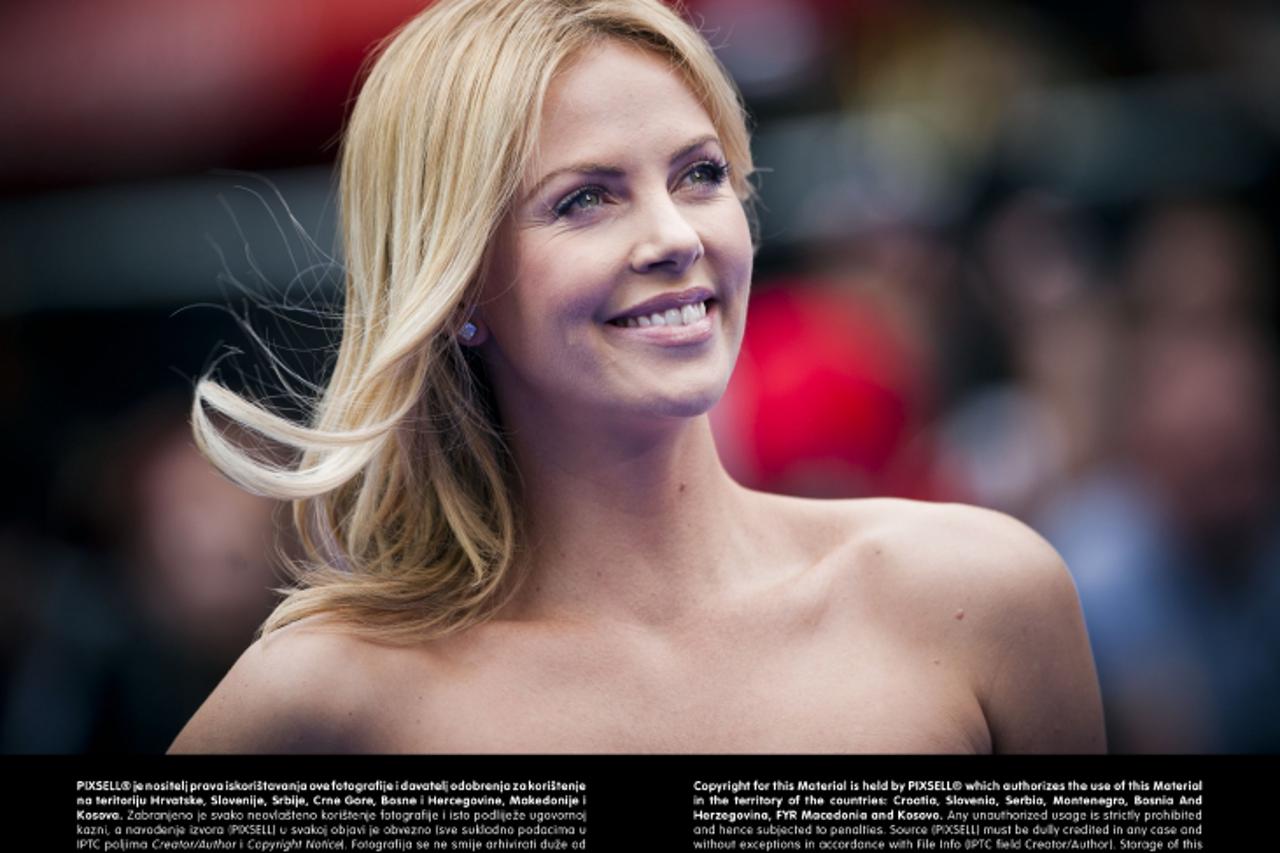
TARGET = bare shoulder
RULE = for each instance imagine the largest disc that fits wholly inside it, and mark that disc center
(981, 588)
(954, 547)
(1015, 611)
(918, 547)
(1003, 579)
(299, 689)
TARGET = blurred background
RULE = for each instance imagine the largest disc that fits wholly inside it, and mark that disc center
(1020, 255)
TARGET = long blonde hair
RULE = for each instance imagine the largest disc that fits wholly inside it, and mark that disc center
(404, 493)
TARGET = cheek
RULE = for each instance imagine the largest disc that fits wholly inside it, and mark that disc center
(728, 243)
(550, 287)
(567, 278)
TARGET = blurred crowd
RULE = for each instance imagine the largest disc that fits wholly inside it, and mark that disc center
(1013, 256)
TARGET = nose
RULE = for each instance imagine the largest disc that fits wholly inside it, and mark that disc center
(667, 241)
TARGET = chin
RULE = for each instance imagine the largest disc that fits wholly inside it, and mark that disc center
(688, 403)
(690, 390)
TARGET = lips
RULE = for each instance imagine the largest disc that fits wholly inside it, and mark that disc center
(668, 309)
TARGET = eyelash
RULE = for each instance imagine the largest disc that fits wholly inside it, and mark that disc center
(718, 173)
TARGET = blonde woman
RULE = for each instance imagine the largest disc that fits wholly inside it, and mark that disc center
(520, 537)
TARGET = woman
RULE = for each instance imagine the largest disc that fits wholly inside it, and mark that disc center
(520, 536)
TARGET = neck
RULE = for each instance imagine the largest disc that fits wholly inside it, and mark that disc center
(626, 525)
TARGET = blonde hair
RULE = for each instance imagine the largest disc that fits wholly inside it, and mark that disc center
(404, 493)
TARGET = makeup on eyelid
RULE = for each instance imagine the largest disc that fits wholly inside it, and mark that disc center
(716, 175)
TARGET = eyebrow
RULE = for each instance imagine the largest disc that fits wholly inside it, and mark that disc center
(595, 168)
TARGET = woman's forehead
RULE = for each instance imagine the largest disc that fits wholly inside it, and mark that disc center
(611, 100)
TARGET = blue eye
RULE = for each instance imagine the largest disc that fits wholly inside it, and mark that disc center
(579, 200)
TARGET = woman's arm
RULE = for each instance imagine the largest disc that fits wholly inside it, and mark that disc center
(1036, 681)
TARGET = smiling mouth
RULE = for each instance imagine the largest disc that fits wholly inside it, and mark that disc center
(685, 315)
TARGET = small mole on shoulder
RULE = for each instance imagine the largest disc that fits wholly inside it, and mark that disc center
(682, 488)
(959, 614)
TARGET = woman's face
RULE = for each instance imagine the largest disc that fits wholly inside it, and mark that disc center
(619, 279)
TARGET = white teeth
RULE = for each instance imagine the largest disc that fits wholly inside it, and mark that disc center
(681, 316)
